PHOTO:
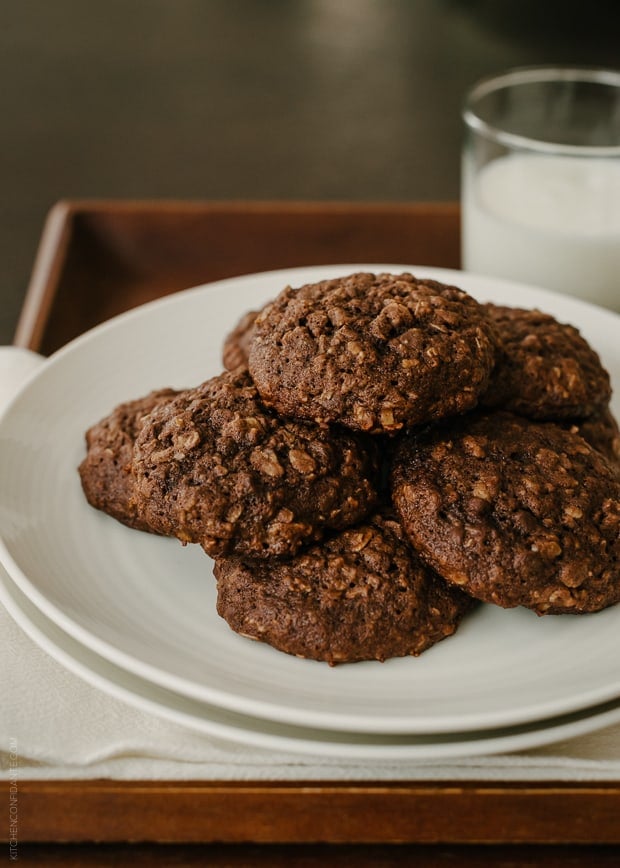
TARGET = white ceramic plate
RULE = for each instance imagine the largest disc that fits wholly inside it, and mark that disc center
(147, 605)
(213, 721)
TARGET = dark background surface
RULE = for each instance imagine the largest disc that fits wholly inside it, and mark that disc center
(253, 99)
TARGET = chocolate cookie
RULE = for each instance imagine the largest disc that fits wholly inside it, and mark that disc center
(600, 431)
(375, 353)
(360, 595)
(546, 370)
(106, 471)
(237, 344)
(216, 467)
(514, 512)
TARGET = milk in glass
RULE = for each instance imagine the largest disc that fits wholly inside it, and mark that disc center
(547, 220)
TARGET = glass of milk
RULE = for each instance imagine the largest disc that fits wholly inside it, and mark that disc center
(541, 180)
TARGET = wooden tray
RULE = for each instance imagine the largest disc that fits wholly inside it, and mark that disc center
(97, 259)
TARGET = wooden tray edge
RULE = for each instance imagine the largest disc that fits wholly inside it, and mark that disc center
(59, 224)
(44, 278)
(311, 812)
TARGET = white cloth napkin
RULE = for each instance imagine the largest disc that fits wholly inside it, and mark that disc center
(55, 725)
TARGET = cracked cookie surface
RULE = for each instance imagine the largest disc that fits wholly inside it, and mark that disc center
(514, 512)
(217, 467)
(373, 352)
(361, 594)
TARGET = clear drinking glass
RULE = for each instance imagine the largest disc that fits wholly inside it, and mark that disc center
(541, 180)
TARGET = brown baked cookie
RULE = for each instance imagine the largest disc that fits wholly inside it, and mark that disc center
(600, 431)
(216, 467)
(237, 344)
(546, 370)
(374, 352)
(514, 512)
(362, 594)
(105, 472)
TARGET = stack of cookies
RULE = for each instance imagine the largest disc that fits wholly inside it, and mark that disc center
(381, 452)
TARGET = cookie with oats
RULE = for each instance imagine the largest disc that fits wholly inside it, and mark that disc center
(376, 353)
(601, 431)
(105, 472)
(236, 348)
(514, 512)
(361, 594)
(546, 369)
(216, 467)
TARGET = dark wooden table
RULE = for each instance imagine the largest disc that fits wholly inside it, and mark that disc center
(99, 258)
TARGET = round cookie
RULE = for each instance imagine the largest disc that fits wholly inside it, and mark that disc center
(602, 433)
(373, 352)
(514, 512)
(105, 472)
(546, 370)
(360, 595)
(236, 346)
(216, 467)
